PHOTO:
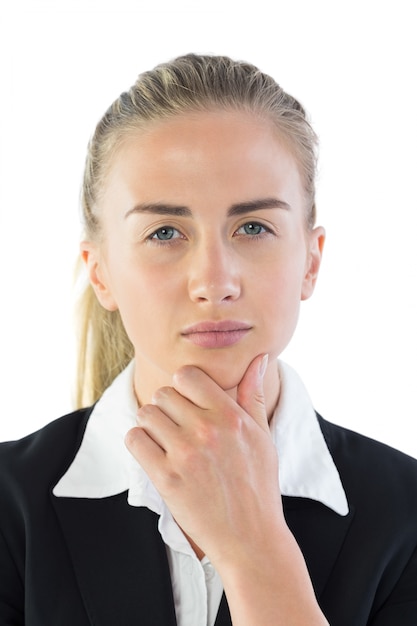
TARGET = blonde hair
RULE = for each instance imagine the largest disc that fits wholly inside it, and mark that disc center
(187, 83)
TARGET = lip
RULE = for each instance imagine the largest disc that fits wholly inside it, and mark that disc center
(216, 334)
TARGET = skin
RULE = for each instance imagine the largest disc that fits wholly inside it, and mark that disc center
(226, 254)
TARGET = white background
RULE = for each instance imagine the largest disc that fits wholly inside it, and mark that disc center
(352, 64)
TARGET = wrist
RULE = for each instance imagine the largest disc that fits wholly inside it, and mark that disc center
(268, 583)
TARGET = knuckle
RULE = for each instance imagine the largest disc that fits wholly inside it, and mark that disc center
(207, 434)
(160, 394)
(184, 375)
(235, 420)
(169, 480)
(144, 413)
(190, 457)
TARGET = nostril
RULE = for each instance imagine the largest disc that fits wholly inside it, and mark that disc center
(213, 277)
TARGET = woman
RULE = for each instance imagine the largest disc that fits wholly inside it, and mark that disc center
(161, 503)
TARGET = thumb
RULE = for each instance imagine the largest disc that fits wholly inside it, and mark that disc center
(250, 391)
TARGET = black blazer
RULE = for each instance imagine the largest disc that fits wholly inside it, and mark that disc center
(63, 564)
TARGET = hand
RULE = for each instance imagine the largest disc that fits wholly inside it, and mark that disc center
(213, 462)
(212, 459)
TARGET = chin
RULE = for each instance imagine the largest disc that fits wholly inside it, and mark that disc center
(225, 374)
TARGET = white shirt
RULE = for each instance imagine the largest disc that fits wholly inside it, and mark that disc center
(104, 467)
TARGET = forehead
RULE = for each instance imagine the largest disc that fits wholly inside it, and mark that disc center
(204, 152)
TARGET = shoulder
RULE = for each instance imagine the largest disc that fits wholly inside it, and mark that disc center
(344, 442)
(43, 456)
(368, 467)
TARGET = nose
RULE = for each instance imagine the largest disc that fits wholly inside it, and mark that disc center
(214, 274)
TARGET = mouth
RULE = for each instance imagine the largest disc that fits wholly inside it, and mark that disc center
(216, 334)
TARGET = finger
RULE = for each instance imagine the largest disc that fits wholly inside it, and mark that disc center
(195, 385)
(250, 391)
(147, 452)
(157, 425)
(177, 407)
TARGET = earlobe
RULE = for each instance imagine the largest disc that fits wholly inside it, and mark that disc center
(316, 244)
(92, 257)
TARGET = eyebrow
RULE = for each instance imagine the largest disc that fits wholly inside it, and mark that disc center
(257, 205)
(240, 208)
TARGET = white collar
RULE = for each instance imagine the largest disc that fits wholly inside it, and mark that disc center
(103, 466)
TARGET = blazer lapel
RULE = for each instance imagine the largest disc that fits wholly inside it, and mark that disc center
(119, 559)
(320, 533)
(121, 565)
(223, 616)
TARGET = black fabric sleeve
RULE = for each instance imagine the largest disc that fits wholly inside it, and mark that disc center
(11, 589)
(400, 608)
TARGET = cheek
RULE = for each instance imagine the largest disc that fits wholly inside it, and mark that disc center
(144, 294)
(280, 316)
(131, 278)
(282, 281)
(281, 305)
(279, 296)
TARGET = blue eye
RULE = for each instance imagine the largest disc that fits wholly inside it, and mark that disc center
(251, 228)
(166, 233)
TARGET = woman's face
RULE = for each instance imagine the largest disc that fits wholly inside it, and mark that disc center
(205, 250)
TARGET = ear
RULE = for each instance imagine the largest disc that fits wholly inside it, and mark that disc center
(315, 244)
(96, 270)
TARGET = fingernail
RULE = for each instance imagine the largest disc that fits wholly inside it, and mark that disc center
(263, 366)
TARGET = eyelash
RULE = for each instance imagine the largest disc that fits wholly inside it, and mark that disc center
(255, 225)
(153, 237)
